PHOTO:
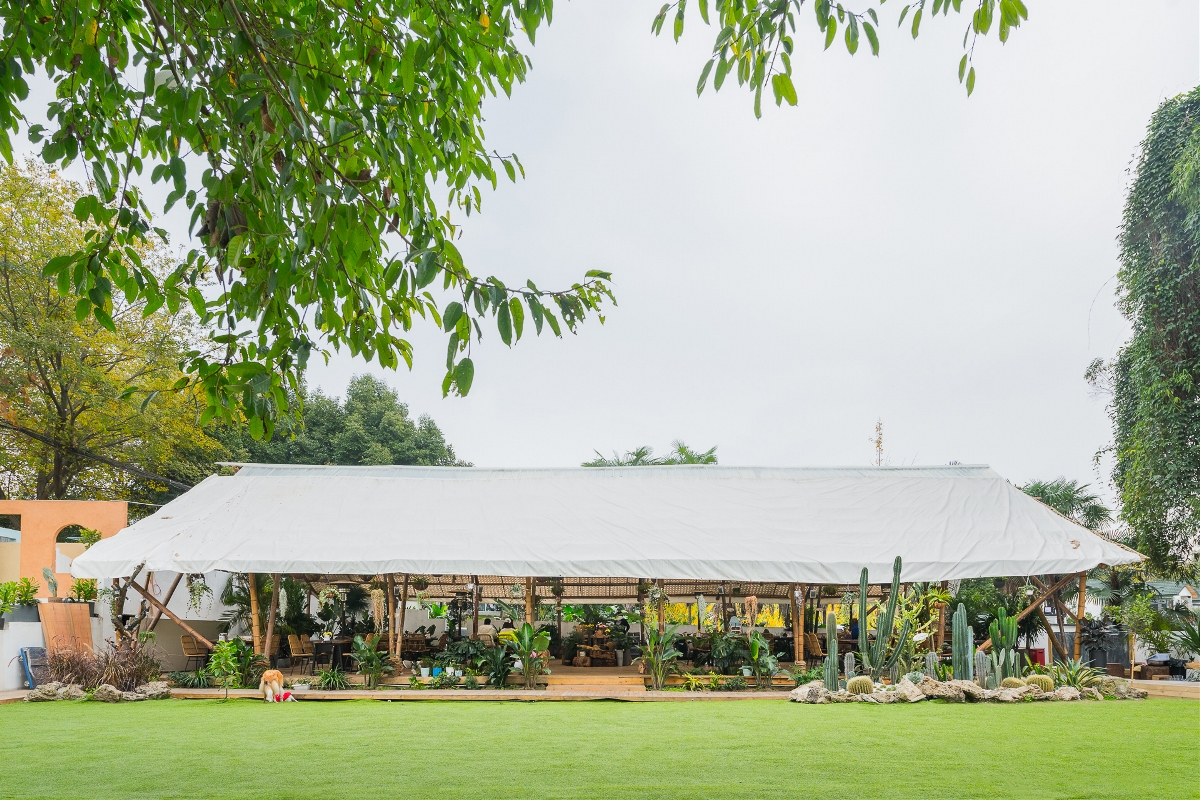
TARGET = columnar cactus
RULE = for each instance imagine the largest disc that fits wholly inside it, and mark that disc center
(963, 653)
(831, 658)
(875, 658)
(1003, 631)
(931, 662)
(848, 668)
(981, 668)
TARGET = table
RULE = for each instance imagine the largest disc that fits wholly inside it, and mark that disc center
(336, 649)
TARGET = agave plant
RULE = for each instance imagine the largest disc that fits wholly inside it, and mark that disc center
(529, 646)
(1076, 674)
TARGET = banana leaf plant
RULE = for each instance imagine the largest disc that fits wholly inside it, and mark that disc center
(659, 655)
(371, 663)
(530, 648)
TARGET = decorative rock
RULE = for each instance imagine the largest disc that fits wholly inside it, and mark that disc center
(970, 689)
(132, 697)
(1136, 694)
(44, 693)
(936, 690)
(1092, 693)
(71, 692)
(814, 692)
(1066, 693)
(107, 693)
(155, 690)
(909, 691)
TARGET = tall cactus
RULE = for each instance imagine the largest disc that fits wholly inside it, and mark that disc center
(831, 658)
(1003, 631)
(848, 661)
(963, 653)
(875, 658)
(931, 662)
(981, 668)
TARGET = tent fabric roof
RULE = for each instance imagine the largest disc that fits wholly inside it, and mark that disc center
(810, 525)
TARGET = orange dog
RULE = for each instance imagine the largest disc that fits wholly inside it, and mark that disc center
(271, 685)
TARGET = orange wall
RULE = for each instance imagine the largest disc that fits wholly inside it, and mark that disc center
(41, 520)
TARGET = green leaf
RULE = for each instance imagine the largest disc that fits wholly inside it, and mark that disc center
(426, 269)
(962, 68)
(722, 70)
(852, 36)
(785, 89)
(450, 316)
(504, 323)
(247, 110)
(830, 32)
(704, 11)
(679, 21)
(518, 316)
(104, 319)
(903, 13)
(464, 375)
(704, 77)
(149, 398)
(256, 428)
(916, 23)
(970, 81)
(872, 38)
(83, 309)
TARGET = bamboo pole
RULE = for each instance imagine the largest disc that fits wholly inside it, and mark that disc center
(171, 615)
(1033, 606)
(1054, 642)
(797, 631)
(400, 623)
(1079, 616)
(275, 579)
(475, 598)
(254, 624)
(391, 612)
(157, 615)
(662, 610)
(941, 634)
(529, 604)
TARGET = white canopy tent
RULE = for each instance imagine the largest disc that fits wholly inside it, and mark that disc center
(804, 525)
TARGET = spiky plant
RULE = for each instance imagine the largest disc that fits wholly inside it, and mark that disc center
(860, 685)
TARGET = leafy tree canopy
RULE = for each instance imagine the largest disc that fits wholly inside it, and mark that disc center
(644, 456)
(1155, 379)
(64, 376)
(372, 427)
(312, 143)
(1072, 500)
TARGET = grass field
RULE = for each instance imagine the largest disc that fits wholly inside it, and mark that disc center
(243, 748)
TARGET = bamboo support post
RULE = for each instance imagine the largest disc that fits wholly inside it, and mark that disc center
(529, 601)
(171, 615)
(157, 615)
(1034, 605)
(662, 610)
(797, 628)
(271, 609)
(391, 612)
(400, 623)
(941, 630)
(1054, 641)
(255, 632)
(475, 601)
(1079, 616)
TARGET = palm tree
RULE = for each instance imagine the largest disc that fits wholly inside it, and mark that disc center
(1072, 500)
(644, 457)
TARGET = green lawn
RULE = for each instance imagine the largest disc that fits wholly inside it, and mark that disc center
(599, 750)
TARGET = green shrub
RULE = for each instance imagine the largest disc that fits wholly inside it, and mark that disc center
(332, 679)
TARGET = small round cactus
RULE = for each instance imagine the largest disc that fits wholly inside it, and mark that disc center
(1043, 682)
(1011, 683)
(860, 685)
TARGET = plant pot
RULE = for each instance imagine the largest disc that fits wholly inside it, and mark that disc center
(424, 672)
(91, 608)
(620, 657)
(436, 671)
(301, 687)
(24, 614)
(746, 672)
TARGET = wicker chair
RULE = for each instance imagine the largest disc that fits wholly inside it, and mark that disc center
(812, 646)
(300, 656)
(194, 651)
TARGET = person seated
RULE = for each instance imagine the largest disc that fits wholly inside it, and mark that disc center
(506, 625)
(853, 628)
(487, 629)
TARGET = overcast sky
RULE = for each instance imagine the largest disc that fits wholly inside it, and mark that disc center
(889, 249)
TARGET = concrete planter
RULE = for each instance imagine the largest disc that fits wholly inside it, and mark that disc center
(24, 614)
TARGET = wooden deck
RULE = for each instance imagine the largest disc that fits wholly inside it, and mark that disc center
(1185, 689)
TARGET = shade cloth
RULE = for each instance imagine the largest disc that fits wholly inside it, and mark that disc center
(810, 525)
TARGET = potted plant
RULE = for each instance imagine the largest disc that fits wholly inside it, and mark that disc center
(84, 590)
(659, 655)
(23, 599)
(621, 641)
(420, 584)
(529, 647)
(371, 663)
(426, 665)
